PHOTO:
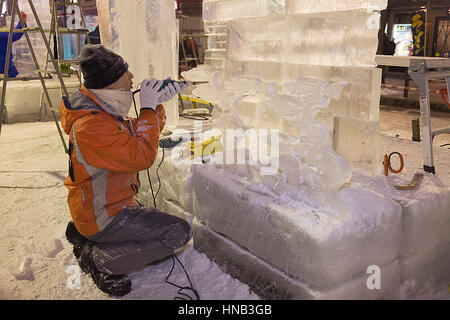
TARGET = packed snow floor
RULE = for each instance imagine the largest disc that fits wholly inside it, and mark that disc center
(38, 261)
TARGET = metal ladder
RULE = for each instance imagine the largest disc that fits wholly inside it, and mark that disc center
(185, 34)
(421, 70)
(55, 32)
(40, 72)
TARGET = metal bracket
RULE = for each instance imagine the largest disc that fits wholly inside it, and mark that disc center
(418, 72)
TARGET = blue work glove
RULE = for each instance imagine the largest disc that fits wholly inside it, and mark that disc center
(170, 91)
(149, 95)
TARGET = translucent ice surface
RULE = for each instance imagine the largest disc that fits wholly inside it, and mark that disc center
(217, 33)
(307, 6)
(360, 99)
(144, 34)
(317, 38)
(309, 169)
(322, 39)
(196, 74)
(280, 42)
(224, 10)
(307, 161)
(22, 55)
(359, 141)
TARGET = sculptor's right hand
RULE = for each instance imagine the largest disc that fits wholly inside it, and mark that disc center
(149, 94)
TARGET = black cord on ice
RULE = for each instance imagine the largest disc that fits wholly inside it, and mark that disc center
(180, 288)
(134, 103)
(148, 172)
(157, 174)
(151, 188)
(159, 181)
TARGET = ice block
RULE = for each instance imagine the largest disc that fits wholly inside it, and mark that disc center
(307, 6)
(359, 142)
(305, 243)
(224, 10)
(247, 41)
(317, 38)
(144, 34)
(217, 37)
(331, 41)
(22, 55)
(359, 100)
(341, 38)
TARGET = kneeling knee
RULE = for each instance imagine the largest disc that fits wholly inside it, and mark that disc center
(180, 235)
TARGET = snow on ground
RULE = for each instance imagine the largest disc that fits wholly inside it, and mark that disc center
(395, 123)
(38, 260)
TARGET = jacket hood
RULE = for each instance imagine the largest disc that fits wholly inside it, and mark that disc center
(80, 104)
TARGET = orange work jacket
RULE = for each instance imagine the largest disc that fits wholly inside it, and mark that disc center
(106, 155)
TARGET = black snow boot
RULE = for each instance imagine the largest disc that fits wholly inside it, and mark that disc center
(75, 238)
(112, 284)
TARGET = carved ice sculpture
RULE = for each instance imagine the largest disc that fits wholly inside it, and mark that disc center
(282, 40)
(307, 169)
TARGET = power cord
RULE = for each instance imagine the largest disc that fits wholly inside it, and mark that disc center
(163, 144)
(180, 288)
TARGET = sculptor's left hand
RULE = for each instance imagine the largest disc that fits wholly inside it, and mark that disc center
(170, 91)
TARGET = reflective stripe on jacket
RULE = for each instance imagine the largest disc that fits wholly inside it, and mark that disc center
(107, 154)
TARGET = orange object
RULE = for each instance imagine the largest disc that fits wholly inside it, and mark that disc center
(106, 154)
(387, 163)
(443, 93)
(386, 166)
(413, 184)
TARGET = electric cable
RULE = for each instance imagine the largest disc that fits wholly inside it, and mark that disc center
(151, 188)
(180, 288)
(157, 172)
(148, 172)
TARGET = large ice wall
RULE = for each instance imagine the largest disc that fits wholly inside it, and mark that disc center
(144, 33)
(282, 40)
(22, 55)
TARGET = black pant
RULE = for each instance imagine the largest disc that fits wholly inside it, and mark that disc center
(138, 236)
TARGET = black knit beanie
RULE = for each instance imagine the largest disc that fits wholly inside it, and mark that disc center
(100, 66)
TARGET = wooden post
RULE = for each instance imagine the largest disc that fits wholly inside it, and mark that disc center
(415, 124)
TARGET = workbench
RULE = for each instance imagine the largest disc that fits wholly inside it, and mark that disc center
(421, 69)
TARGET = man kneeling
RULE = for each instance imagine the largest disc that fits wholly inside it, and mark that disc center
(112, 232)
